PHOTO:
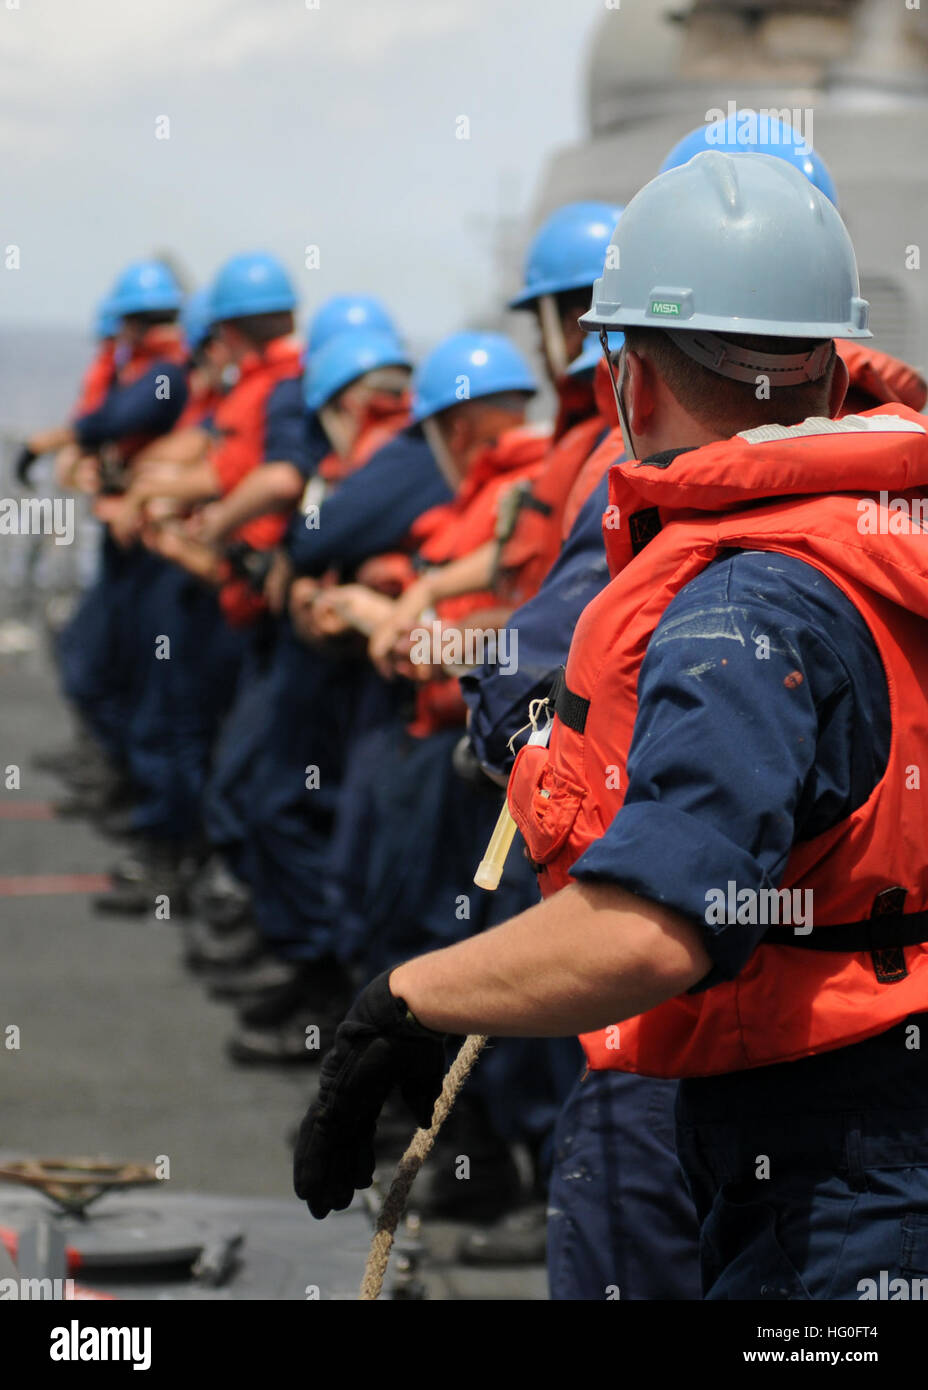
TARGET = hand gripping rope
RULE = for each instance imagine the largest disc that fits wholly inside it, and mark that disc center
(487, 876)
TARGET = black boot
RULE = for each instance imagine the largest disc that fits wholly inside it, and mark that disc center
(248, 983)
(146, 880)
(217, 952)
(471, 1174)
(97, 799)
(218, 896)
(519, 1238)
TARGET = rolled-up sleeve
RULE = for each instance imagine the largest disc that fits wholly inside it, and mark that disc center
(150, 406)
(744, 742)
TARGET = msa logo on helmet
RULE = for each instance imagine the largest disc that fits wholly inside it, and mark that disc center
(667, 308)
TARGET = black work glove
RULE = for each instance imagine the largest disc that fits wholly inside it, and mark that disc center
(24, 461)
(379, 1045)
(249, 564)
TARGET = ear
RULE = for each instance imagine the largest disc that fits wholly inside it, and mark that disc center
(229, 335)
(459, 433)
(839, 383)
(352, 400)
(638, 392)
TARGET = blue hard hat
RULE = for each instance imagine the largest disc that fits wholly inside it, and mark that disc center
(106, 323)
(465, 366)
(346, 357)
(145, 286)
(592, 353)
(196, 318)
(252, 283)
(752, 132)
(568, 251)
(343, 312)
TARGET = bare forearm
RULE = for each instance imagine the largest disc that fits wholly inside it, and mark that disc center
(195, 483)
(589, 956)
(274, 487)
(467, 575)
(50, 441)
(199, 560)
(180, 446)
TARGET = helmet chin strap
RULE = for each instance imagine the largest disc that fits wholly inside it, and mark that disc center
(553, 335)
(339, 431)
(441, 453)
(617, 392)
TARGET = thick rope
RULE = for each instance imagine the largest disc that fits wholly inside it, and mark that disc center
(394, 1204)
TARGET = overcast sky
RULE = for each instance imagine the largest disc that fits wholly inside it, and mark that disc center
(290, 126)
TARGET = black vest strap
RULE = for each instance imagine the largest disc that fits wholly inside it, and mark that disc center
(570, 708)
(884, 934)
(872, 934)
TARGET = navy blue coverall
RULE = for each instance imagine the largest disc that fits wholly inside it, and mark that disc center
(99, 649)
(321, 701)
(619, 1214)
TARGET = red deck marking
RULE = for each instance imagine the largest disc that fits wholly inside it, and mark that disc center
(11, 809)
(33, 885)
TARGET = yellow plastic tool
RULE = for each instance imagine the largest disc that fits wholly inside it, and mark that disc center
(490, 869)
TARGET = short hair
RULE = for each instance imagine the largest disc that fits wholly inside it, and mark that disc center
(515, 402)
(261, 329)
(574, 299)
(149, 318)
(730, 405)
(388, 381)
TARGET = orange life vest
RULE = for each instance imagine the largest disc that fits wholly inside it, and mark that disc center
(202, 403)
(385, 417)
(160, 344)
(456, 528)
(537, 524)
(240, 418)
(805, 491)
(96, 380)
(876, 378)
(240, 423)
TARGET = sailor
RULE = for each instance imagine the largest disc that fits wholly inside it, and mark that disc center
(565, 257)
(136, 392)
(470, 397)
(259, 420)
(648, 1240)
(356, 386)
(726, 718)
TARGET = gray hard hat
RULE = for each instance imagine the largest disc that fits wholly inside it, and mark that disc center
(731, 243)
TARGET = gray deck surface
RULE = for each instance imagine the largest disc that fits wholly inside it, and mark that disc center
(121, 1051)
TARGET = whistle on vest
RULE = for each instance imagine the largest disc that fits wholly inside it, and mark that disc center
(519, 498)
(490, 869)
(508, 509)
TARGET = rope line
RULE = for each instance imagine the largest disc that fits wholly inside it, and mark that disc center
(394, 1204)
